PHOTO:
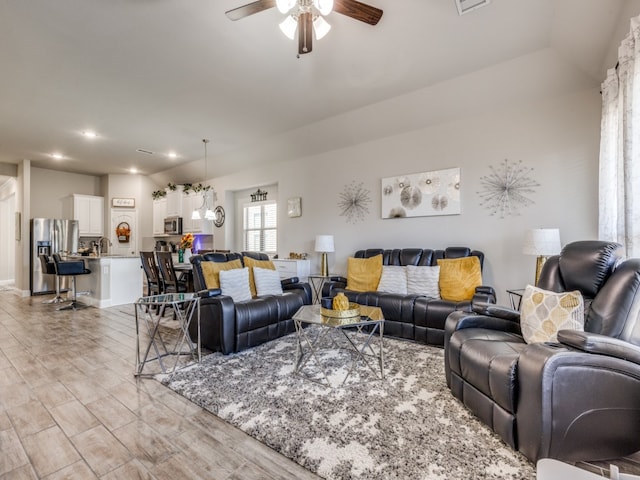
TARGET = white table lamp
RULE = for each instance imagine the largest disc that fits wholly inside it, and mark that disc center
(324, 244)
(541, 242)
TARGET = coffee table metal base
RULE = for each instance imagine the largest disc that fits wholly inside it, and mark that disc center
(361, 339)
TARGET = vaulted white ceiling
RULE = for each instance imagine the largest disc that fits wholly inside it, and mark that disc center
(161, 75)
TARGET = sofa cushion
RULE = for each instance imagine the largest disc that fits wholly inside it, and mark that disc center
(363, 274)
(267, 281)
(211, 271)
(459, 278)
(235, 283)
(393, 279)
(543, 313)
(252, 262)
(423, 281)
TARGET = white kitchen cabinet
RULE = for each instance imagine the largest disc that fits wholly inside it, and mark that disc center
(89, 211)
(288, 268)
(159, 214)
(174, 202)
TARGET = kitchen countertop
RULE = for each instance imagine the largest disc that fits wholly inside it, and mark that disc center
(94, 257)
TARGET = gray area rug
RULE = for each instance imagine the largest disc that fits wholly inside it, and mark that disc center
(407, 426)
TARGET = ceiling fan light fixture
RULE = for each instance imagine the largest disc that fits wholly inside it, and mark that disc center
(289, 26)
(285, 5)
(321, 27)
(323, 6)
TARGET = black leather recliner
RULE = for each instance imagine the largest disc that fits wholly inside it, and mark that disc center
(578, 399)
(227, 326)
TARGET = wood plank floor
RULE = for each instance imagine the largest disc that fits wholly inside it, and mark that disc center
(71, 408)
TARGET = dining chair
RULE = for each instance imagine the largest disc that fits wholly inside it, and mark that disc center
(150, 267)
(170, 281)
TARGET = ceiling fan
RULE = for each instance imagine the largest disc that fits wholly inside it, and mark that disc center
(307, 16)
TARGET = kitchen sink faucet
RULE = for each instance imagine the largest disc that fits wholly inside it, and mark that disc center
(99, 244)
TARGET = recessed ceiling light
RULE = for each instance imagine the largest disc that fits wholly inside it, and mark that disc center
(133, 170)
(172, 155)
(57, 156)
(89, 134)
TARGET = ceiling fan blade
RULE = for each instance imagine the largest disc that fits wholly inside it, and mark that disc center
(250, 9)
(358, 10)
(305, 33)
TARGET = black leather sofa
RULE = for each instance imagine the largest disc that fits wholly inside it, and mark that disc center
(227, 326)
(412, 317)
(577, 399)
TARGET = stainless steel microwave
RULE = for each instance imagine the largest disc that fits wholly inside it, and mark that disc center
(173, 225)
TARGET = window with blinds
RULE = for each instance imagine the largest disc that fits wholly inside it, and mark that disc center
(260, 228)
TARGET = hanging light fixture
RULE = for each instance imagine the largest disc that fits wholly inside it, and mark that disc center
(208, 212)
(317, 9)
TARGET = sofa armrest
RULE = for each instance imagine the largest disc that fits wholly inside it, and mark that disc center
(334, 282)
(484, 294)
(600, 345)
(305, 287)
(289, 281)
(492, 310)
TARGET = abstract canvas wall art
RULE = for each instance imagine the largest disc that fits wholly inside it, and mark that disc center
(422, 194)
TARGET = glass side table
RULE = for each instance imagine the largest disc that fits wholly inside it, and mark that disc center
(317, 281)
(515, 297)
(149, 317)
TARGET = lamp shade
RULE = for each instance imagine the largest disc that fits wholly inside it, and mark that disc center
(324, 243)
(541, 242)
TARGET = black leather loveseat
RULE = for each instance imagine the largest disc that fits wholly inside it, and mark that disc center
(575, 399)
(227, 326)
(413, 317)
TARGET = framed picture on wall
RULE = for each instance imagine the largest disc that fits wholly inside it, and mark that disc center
(421, 194)
(294, 207)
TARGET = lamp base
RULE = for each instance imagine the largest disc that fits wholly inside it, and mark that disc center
(324, 265)
(539, 264)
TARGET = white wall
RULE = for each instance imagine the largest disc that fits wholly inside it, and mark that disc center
(50, 190)
(559, 137)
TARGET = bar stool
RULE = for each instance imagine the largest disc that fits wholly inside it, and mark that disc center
(70, 268)
(49, 268)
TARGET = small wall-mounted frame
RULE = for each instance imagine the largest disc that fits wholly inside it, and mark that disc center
(294, 207)
(123, 202)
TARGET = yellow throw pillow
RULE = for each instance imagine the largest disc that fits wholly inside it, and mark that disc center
(252, 262)
(543, 313)
(211, 271)
(363, 274)
(459, 278)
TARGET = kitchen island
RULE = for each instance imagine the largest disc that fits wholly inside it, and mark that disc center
(114, 280)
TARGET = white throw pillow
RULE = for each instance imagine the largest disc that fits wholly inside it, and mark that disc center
(393, 279)
(423, 281)
(267, 281)
(543, 313)
(235, 283)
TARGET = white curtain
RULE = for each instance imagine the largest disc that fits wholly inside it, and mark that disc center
(619, 195)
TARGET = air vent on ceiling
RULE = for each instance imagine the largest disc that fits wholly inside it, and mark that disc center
(146, 152)
(466, 6)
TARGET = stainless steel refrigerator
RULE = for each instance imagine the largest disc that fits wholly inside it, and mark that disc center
(49, 236)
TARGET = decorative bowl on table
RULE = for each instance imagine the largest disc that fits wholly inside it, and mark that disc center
(352, 311)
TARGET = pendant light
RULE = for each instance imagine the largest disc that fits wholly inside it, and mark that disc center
(208, 213)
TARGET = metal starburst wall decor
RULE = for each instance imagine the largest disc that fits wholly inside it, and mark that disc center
(504, 191)
(354, 202)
